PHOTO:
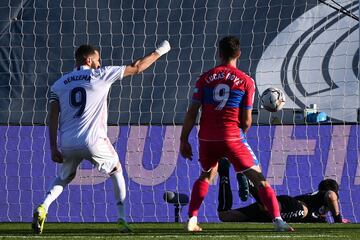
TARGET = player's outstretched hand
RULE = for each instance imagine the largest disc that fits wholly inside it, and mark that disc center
(56, 156)
(163, 48)
(185, 150)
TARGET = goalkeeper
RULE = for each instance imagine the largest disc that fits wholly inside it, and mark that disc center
(78, 109)
(312, 207)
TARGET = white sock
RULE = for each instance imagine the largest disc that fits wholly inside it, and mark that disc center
(193, 220)
(119, 192)
(55, 189)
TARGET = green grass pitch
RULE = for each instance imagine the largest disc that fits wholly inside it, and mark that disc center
(249, 231)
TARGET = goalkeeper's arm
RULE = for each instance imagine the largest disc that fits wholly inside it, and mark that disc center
(332, 201)
(143, 63)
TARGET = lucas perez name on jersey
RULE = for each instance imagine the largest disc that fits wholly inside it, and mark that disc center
(221, 75)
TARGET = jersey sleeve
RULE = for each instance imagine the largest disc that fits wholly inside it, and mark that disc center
(249, 95)
(109, 74)
(53, 95)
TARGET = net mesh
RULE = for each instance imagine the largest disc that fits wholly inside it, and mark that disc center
(305, 48)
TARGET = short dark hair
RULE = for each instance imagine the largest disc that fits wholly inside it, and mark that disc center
(83, 52)
(329, 184)
(229, 46)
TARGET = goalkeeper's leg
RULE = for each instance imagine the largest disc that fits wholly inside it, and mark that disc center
(243, 186)
(225, 194)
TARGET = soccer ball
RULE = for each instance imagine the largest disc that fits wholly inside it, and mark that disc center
(272, 99)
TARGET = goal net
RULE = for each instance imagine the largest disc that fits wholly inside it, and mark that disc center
(305, 48)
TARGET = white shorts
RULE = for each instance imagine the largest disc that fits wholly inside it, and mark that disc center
(102, 154)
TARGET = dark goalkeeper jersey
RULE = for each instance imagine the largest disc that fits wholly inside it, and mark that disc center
(316, 204)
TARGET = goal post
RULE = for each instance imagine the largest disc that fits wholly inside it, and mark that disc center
(305, 48)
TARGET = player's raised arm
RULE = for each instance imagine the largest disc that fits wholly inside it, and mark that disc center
(143, 63)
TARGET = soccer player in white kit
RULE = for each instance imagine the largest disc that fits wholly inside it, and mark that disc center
(78, 108)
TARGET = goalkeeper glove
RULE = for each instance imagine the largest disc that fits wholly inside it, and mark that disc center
(163, 48)
(339, 219)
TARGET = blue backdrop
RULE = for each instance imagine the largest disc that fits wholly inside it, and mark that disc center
(294, 159)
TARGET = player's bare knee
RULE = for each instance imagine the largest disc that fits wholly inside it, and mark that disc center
(116, 169)
(205, 178)
(263, 184)
(208, 176)
(258, 181)
(255, 175)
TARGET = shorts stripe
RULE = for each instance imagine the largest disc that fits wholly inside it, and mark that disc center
(256, 161)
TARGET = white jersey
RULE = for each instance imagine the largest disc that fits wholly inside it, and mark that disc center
(82, 95)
